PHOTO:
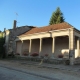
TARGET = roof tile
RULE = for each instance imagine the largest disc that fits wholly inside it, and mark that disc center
(63, 25)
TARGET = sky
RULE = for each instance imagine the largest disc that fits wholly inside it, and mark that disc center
(37, 12)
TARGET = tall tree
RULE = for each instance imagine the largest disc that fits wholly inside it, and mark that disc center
(57, 17)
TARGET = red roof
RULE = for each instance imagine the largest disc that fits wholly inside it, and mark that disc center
(58, 26)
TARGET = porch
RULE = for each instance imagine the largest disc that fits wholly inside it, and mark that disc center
(65, 41)
(53, 47)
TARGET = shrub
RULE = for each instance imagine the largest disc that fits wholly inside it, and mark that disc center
(35, 54)
(11, 55)
(17, 53)
(2, 48)
(25, 54)
(60, 56)
(46, 55)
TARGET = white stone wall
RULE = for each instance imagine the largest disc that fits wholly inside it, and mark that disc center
(26, 46)
(18, 47)
(61, 43)
(35, 46)
(46, 46)
(7, 32)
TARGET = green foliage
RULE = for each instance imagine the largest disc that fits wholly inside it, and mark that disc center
(57, 17)
(1, 34)
(2, 41)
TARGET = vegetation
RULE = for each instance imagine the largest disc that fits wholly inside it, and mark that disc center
(34, 54)
(2, 41)
(57, 17)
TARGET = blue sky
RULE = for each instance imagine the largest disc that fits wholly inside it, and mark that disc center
(37, 12)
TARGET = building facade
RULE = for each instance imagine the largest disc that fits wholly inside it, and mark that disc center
(53, 40)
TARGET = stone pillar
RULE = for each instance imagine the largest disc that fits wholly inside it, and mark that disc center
(40, 47)
(21, 48)
(30, 46)
(53, 45)
(71, 47)
(78, 47)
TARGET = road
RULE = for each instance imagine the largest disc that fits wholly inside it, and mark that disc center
(21, 70)
(10, 74)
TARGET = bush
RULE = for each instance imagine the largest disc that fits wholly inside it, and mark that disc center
(60, 56)
(11, 55)
(17, 54)
(2, 49)
(25, 54)
(35, 54)
(46, 55)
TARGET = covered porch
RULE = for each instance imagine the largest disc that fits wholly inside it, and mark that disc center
(53, 47)
(52, 42)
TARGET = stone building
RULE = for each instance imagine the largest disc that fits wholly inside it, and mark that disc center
(52, 40)
(11, 34)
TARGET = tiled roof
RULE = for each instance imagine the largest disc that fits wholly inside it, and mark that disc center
(63, 25)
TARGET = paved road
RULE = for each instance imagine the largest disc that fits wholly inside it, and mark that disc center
(21, 70)
(8, 74)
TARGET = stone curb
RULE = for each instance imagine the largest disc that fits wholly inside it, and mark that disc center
(55, 67)
(47, 66)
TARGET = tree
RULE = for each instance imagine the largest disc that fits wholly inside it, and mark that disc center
(57, 17)
(2, 41)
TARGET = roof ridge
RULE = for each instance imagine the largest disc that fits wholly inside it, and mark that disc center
(70, 24)
(52, 24)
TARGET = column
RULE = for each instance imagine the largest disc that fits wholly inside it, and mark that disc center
(40, 47)
(71, 47)
(21, 48)
(30, 46)
(53, 45)
(78, 47)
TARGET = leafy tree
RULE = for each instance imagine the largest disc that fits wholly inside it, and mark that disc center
(2, 41)
(57, 17)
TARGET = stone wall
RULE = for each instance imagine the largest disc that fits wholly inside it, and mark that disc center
(12, 36)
